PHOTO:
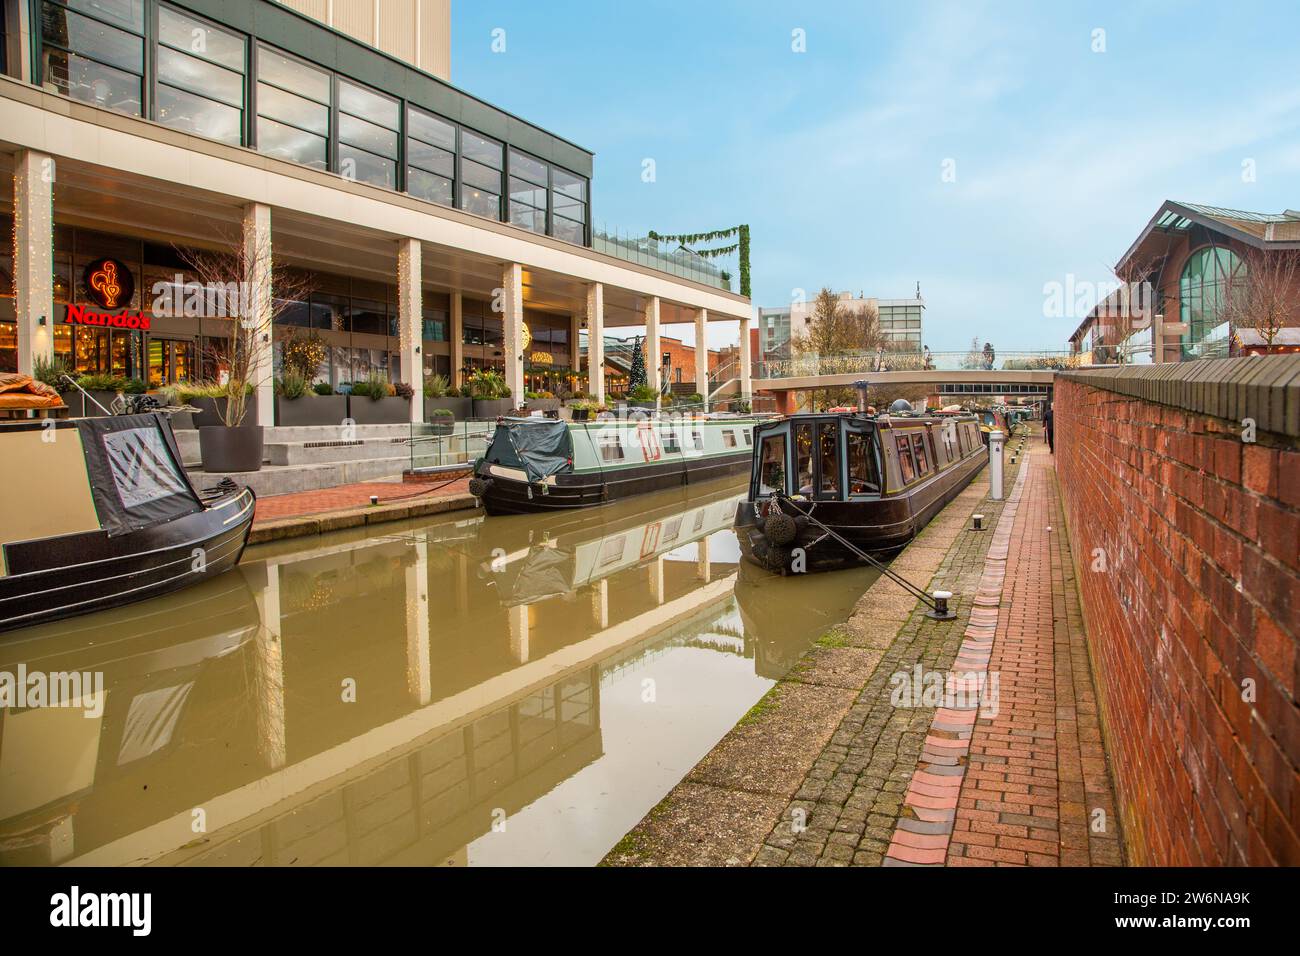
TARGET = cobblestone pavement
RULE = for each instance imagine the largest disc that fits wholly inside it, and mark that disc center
(1022, 780)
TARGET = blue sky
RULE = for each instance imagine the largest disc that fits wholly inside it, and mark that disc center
(835, 156)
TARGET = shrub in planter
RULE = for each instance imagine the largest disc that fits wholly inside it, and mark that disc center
(323, 388)
(298, 404)
(375, 402)
(230, 440)
(443, 421)
(437, 386)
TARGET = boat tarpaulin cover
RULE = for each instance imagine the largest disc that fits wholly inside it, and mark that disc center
(544, 573)
(135, 472)
(540, 446)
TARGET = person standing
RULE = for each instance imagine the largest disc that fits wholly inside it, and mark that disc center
(1048, 422)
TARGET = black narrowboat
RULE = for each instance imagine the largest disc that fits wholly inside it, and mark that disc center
(99, 512)
(873, 480)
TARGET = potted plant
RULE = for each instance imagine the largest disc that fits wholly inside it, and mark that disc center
(443, 421)
(440, 395)
(490, 393)
(297, 402)
(376, 401)
(643, 396)
(240, 351)
(541, 401)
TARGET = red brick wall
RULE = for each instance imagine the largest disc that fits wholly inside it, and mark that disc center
(1201, 537)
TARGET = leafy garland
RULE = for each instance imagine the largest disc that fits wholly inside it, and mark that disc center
(742, 245)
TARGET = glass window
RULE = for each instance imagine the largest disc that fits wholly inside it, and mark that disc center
(828, 443)
(200, 77)
(292, 109)
(922, 459)
(669, 440)
(864, 475)
(430, 157)
(1203, 291)
(528, 179)
(568, 206)
(611, 447)
(905, 464)
(728, 438)
(803, 453)
(771, 469)
(480, 170)
(367, 135)
(697, 440)
(89, 58)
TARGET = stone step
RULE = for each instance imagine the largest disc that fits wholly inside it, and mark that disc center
(287, 479)
(332, 450)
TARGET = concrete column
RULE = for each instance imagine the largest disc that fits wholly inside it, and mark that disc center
(34, 257)
(419, 674)
(702, 354)
(575, 357)
(596, 340)
(457, 335)
(652, 358)
(257, 264)
(512, 286)
(410, 315)
(703, 567)
(746, 384)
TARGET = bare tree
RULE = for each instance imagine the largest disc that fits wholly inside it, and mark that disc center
(1265, 295)
(241, 285)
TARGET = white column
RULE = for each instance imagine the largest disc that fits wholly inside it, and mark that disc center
(702, 354)
(703, 567)
(575, 357)
(600, 604)
(457, 336)
(410, 312)
(518, 620)
(257, 264)
(746, 385)
(652, 359)
(34, 257)
(656, 571)
(512, 287)
(596, 340)
(419, 674)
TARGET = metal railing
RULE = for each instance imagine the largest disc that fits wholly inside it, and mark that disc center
(849, 363)
(664, 256)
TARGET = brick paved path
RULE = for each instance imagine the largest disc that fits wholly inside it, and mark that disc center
(1022, 782)
(350, 496)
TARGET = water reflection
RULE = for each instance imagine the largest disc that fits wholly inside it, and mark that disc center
(512, 690)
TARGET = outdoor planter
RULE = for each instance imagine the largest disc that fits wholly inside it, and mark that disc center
(543, 404)
(79, 406)
(391, 410)
(211, 410)
(311, 410)
(442, 424)
(580, 414)
(460, 408)
(492, 407)
(225, 449)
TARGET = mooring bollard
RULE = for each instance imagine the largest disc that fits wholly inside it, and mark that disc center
(995, 464)
(374, 499)
(941, 612)
(977, 522)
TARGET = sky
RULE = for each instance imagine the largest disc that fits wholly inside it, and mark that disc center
(983, 150)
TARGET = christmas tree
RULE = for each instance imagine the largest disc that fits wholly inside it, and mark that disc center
(636, 377)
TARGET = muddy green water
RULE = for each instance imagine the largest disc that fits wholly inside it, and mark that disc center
(470, 690)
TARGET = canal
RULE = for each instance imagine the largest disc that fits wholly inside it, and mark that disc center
(466, 690)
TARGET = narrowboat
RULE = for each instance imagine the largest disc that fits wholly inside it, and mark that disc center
(99, 512)
(873, 480)
(540, 464)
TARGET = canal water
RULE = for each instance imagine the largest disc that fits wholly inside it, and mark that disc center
(469, 690)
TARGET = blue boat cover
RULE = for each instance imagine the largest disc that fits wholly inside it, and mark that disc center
(541, 447)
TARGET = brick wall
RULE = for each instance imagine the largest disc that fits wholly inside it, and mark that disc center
(1200, 536)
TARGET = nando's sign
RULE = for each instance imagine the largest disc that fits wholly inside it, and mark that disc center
(110, 285)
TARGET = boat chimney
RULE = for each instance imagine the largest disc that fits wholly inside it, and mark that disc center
(861, 386)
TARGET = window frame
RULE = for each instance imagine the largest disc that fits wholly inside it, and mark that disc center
(331, 132)
(153, 40)
(146, 52)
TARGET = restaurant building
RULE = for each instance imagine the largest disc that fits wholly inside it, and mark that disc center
(430, 232)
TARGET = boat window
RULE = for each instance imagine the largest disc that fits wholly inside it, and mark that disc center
(697, 440)
(748, 438)
(905, 465)
(672, 529)
(611, 447)
(864, 477)
(612, 550)
(948, 434)
(668, 438)
(728, 438)
(922, 459)
(803, 450)
(828, 444)
(771, 468)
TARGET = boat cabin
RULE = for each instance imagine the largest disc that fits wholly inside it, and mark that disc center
(838, 457)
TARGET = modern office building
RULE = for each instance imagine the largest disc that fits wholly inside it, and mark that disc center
(432, 232)
(1185, 259)
(900, 322)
